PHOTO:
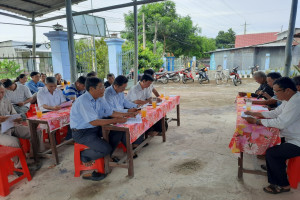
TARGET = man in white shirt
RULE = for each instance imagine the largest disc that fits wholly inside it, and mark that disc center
(151, 89)
(286, 117)
(19, 95)
(50, 97)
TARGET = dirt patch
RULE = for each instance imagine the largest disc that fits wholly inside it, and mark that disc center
(188, 167)
(207, 130)
(91, 190)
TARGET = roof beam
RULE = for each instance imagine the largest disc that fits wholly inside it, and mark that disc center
(15, 16)
(100, 10)
(14, 8)
(36, 3)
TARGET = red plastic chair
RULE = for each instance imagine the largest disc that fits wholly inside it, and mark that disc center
(293, 171)
(6, 167)
(122, 146)
(98, 165)
(25, 145)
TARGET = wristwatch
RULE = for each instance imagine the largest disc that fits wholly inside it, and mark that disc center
(257, 122)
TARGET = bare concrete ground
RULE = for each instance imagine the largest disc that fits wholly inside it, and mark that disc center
(194, 163)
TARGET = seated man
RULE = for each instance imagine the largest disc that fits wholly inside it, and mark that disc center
(151, 88)
(35, 83)
(261, 78)
(50, 97)
(19, 95)
(59, 79)
(286, 117)
(114, 96)
(110, 79)
(273, 102)
(10, 137)
(75, 90)
(43, 78)
(91, 74)
(87, 117)
(21, 79)
(296, 80)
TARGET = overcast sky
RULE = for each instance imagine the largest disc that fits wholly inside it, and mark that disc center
(212, 16)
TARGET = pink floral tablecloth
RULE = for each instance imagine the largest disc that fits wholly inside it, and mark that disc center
(153, 116)
(55, 119)
(251, 138)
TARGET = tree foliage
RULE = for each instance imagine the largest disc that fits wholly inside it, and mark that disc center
(176, 33)
(9, 69)
(225, 39)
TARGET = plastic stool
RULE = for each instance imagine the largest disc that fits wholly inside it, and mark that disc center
(6, 153)
(122, 146)
(25, 145)
(293, 171)
(98, 165)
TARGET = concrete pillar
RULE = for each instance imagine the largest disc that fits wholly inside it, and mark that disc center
(114, 60)
(60, 53)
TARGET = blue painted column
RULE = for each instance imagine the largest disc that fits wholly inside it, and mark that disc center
(114, 58)
(60, 53)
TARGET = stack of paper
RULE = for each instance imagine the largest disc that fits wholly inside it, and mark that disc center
(9, 123)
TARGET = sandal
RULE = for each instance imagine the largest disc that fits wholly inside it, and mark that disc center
(95, 176)
(275, 189)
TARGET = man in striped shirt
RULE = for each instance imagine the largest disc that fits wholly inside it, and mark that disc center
(19, 95)
(76, 89)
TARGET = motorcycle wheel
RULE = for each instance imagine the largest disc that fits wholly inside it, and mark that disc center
(164, 80)
(184, 79)
(176, 78)
(201, 79)
(218, 81)
(207, 80)
(240, 81)
(235, 81)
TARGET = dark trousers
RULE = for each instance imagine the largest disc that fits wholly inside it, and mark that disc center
(276, 162)
(98, 148)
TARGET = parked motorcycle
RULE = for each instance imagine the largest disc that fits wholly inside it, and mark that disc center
(187, 75)
(161, 77)
(202, 75)
(174, 76)
(235, 76)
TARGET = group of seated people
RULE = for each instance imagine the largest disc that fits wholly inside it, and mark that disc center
(93, 107)
(282, 96)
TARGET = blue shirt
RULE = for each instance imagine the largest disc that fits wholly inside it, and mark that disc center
(33, 87)
(71, 92)
(86, 109)
(117, 101)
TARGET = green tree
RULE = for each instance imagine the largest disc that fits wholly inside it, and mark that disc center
(225, 39)
(9, 69)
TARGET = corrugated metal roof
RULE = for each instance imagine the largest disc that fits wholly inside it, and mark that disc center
(37, 7)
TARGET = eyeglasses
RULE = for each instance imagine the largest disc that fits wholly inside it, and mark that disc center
(279, 90)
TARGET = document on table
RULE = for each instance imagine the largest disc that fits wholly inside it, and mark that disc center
(66, 104)
(244, 115)
(136, 120)
(257, 108)
(158, 104)
(9, 123)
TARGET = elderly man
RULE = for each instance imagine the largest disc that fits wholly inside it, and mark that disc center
(89, 112)
(151, 88)
(59, 79)
(35, 83)
(50, 97)
(75, 90)
(10, 137)
(110, 79)
(19, 95)
(261, 78)
(286, 117)
(271, 101)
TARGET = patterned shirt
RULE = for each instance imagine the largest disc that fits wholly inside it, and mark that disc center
(20, 94)
(87, 109)
(44, 97)
(117, 101)
(71, 92)
(34, 87)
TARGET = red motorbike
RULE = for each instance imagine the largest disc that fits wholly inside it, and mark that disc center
(235, 76)
(161, 77)
(187, 75)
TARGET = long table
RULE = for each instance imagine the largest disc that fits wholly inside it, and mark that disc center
(134, 131)
(54, 121)
(251, 138)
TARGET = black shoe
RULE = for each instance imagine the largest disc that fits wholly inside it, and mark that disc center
(115, 159)
(18, 173)
(134, 156)
(95, 176)
(264, 167)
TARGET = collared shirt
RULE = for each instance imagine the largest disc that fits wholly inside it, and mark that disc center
(20, 94)
(71, 92)
(86, 109)
(137, 93)
(286, 117)
(44, 97)
(6, 108)
(34, 87)
(265, 87)
(106, 84)
(117, 101)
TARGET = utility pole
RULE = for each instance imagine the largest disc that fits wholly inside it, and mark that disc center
(136, 51)
(155, 38)
(290, 38)
(94, 56)
(144, 32)
(245, 28)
